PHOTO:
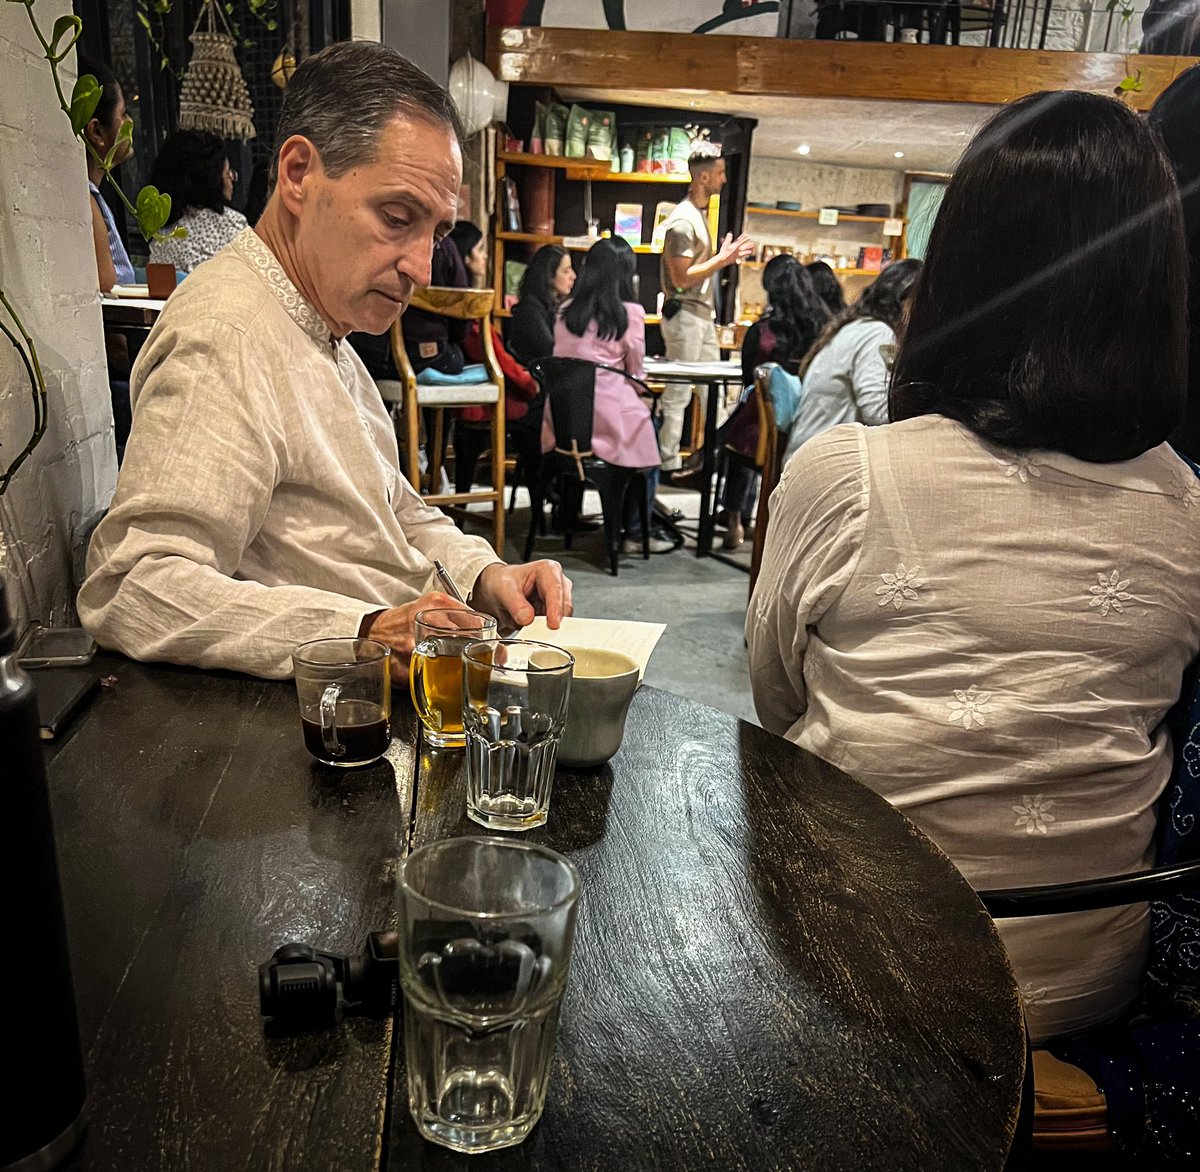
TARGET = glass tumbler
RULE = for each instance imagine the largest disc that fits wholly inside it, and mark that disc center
(345, 692)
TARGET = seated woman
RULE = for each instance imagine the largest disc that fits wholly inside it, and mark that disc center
(984, 610)
(113, 266)
(603, 322)
(193, 169)
(794, 316)
(522, 404)
(547, 283)
(828, 287)
(846, 373)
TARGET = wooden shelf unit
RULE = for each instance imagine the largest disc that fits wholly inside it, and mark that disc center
(533, 238)
(842, 219)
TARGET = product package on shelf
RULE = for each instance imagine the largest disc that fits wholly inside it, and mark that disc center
(642, 150)
(556, 128)
(660, 150)
(870, 259)
(661, 213)
(578, 121)
(679, 149)
(628, 222)
(600, 131)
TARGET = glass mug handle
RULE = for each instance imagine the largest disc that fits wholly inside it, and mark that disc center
(329, 699)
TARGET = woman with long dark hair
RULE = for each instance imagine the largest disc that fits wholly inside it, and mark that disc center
(193, 169)
(984, 610)
(545, 285)
(828, 287)
(603, 322)
(794, 316)
(846, 372)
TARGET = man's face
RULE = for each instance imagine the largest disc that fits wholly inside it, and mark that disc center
(714, 178)
(365, 239)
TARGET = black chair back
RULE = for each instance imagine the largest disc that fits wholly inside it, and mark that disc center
(570, 385)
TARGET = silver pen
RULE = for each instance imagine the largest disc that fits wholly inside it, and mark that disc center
(447, 582)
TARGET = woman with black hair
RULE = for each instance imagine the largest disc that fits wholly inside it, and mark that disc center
(103, 131)
(603, 322)
(984, 610)
(828, 287)
(193, 169)
(545, 285)
(794, 316)
(845, 373)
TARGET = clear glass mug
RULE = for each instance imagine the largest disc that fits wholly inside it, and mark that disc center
(435, 670)
(486, 931)
(515, 697)
(345, 691)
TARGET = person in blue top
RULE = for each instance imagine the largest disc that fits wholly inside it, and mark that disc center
(112, 261)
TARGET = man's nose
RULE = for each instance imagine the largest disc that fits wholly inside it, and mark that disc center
(417, 263)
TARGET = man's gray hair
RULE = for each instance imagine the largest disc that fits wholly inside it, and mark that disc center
(343, 96)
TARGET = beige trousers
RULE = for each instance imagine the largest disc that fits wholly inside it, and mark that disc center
(688, 337)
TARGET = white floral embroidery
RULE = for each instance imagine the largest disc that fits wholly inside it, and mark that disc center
(1110, 594)
(1185, 487)
(252, 249)
(1034, 813)
(899, 586)
(1032, 994)
(969, 706)
(1022, 467)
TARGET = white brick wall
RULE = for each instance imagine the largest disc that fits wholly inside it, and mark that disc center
(48, 272)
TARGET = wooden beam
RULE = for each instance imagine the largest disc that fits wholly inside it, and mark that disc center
(812, 69)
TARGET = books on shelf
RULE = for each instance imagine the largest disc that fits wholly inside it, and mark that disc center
(661, 213)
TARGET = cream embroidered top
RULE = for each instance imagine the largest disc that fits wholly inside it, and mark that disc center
(260, 503)
(990, 640)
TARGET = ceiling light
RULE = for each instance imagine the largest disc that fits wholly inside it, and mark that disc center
(897, 154)
(803, 149)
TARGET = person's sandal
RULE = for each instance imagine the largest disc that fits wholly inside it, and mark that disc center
(735, 535)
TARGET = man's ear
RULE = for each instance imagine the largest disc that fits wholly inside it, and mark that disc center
(299, 162)
(94, 133)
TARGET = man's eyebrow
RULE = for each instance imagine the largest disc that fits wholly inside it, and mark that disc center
(407, 197)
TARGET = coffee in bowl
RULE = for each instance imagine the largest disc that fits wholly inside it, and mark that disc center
(601, 692)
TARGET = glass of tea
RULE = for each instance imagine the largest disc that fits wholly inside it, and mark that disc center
(345, 692)
(435, 672)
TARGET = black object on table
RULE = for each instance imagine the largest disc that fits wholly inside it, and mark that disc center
(774, 969)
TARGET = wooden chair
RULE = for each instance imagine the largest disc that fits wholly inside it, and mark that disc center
(769, 460)
(1070, 1111)
(462, 305)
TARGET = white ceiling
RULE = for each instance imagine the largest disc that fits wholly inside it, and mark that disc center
(850, 133)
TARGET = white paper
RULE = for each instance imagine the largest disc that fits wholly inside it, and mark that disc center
(637, 640)
(893, 227)
(827, 217)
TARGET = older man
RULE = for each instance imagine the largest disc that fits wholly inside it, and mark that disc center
(260, 503)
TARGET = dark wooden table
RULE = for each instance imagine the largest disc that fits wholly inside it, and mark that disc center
(773, 969)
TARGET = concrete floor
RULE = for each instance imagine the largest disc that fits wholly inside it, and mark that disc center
(702, 601)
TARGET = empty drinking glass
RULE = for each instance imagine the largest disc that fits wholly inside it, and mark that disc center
(486, 928)
(514, 709)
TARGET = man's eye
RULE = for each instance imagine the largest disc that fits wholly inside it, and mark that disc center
(394, 221)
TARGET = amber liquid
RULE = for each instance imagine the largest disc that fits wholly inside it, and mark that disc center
(436, 679)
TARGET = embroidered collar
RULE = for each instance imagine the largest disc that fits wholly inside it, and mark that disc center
(251, 248)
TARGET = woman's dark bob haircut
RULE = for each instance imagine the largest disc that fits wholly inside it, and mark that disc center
(1051, 309)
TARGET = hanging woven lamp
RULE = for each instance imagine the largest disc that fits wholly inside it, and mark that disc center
(214, 95)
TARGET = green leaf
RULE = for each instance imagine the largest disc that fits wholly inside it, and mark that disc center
(272, 25)
(179, 232)
(63, 26)
(164, 63)
(143, 20)
(85, 97)
(153, 209)
(125, 134)
(1131, 84)
(162, 7)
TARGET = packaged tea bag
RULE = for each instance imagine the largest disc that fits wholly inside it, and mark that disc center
(578, 122)
(625, 152)
(641, 155)
(678, 150)
(660, 150)
(556, 128)
(538, 138)
(601, 127)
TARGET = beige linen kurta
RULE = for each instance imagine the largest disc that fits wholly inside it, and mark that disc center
(260, 503)
(990, 640)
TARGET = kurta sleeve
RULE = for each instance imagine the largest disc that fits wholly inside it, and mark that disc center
(818, 516)
(869, 376)
(195, 486)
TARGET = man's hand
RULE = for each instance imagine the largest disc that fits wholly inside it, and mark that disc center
(732, 251)
(514, 594)
(397, 627)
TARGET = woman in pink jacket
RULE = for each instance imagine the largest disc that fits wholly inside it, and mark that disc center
(604, 323)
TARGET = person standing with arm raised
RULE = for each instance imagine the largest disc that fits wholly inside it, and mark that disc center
(688, 273)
